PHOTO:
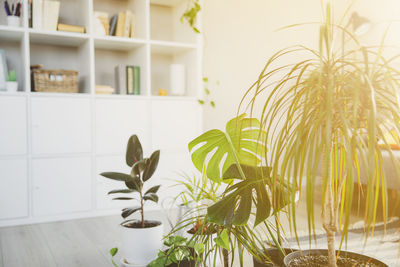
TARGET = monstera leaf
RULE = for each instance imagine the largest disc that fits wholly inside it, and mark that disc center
(228, 212)
(243, 141)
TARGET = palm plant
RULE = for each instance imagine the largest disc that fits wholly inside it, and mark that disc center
(326, 115)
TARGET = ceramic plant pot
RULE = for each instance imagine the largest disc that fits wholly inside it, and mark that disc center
(345, 258)
(141, 245)
(275, 256)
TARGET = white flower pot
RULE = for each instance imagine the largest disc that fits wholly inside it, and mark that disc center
(13, 21)
(141, 245)
(12, 86)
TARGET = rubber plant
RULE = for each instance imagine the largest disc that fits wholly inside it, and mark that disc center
(142, 169)
(235, 157)
(327, 115)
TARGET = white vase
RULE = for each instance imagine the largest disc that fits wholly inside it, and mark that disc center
(141, 245)
(12, 86)
(13, 21)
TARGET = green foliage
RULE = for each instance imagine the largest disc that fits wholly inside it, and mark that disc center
(12, 76)
(333, 107)
(241, 143)
(190, 15)
(179, 249)
(222, 240)
(113, 252)
(207, 93)
(142, 169)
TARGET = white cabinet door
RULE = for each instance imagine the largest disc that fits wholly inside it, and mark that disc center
(61, 185)
(104, 185)
(117, 120)
(61, 125)
(175, 123)
(13, 125)
(13, 188)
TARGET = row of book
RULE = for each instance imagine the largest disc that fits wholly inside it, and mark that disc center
(122, 24)
(127, 81)
(44, 15)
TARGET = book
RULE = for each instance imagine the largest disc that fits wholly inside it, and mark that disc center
(120, 79)
(3, 70)
(30, 13)
(128, 22)
(120, 24)
(37, 14)
(133, 26)
(113, 24)
(133, 80)
(70, 28)
(102, 17)
(104, 89)
(51, 10)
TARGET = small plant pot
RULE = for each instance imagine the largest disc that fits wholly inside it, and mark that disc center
(275, 256)
(320, 256)
(12, 86)
(13, 21)
(141, 245)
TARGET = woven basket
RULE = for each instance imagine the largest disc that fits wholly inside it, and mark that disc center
(61, 81)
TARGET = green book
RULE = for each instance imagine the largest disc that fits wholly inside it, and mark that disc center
(133, 80)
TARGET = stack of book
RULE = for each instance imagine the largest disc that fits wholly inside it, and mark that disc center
(127, 79)
(43, 14)
(104, 90)
(122, 24)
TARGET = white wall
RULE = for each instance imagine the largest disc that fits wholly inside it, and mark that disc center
(240, 35)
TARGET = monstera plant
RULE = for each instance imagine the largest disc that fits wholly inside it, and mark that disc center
(236, 157)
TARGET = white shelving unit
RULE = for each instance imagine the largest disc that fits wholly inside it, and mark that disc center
(54, 145)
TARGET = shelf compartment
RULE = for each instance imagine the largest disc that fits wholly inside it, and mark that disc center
(10, 33)
(165, 23)
(161, 59)
(16, 57)
(75, 12)
(117, 43)
(138, 7)
(64, 57)
(106, 60)
(167, 48)
(57, 38)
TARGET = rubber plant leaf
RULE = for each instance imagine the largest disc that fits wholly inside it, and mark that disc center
(243, 141)
(129, 211)
(227, 212)
(154, 189)
(121, 191)
(134, 183)
(116, 176)
(134, 151)
(152, 197)
(138, 167)
(151, 165)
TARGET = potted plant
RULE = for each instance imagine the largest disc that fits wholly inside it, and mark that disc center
(180, 252)
(324, 115)
(149, 232)
(235, 157)
(12, 84)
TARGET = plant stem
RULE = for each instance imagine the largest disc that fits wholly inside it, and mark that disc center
(226, 257)
(141, 208)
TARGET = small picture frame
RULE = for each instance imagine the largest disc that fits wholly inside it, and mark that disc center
(3, 70)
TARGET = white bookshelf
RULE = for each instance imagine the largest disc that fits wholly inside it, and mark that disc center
(76, 136)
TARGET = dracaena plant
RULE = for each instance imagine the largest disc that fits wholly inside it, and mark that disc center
(142, 169)
(325, 114)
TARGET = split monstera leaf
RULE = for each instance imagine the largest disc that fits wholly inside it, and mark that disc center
(142, 169)
(236, 157)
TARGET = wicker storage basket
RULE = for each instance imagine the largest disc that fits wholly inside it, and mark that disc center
(61, 81)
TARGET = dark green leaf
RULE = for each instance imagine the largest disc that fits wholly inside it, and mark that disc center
(152, 197)
(222, 240)
(138, 167)
(134, 151)
(123, 198)
(128, 211)
(116, 176)
(134, 183)
(154, 189)
(122, 191)
(151, 166)
(113, 251)
(227, 211)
